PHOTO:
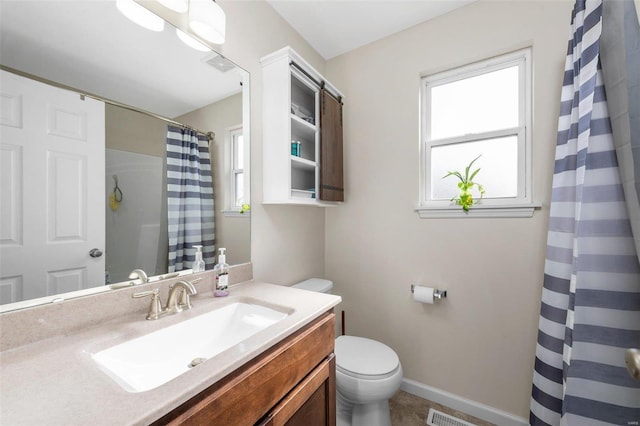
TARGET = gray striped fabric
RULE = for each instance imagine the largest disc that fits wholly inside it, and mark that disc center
(189, 198)
(590, 309)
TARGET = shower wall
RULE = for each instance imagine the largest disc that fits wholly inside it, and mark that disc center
(133, 230)
(135, 153)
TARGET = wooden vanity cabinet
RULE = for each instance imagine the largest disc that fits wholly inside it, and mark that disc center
(293, 383)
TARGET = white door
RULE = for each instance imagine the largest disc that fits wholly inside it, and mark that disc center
(51, 190)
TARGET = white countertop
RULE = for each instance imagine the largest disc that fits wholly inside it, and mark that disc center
(55, 381)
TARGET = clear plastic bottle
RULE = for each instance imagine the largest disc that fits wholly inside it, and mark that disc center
(198, 264)
(221, 272)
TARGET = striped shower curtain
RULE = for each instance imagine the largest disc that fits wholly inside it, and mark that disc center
(189, 198)
(590, 311)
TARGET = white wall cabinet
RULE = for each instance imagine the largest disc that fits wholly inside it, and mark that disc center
(302, 133)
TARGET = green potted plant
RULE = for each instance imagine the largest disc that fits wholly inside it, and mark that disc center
(466, 184)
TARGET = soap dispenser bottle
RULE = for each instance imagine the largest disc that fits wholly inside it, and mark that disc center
(221, 272)
(198, 264)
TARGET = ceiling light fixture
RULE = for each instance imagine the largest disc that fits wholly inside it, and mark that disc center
(191, 42)
(179, 6)
(140, 15)
(207, 20)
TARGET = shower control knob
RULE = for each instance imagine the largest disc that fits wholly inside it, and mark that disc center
(95, 252)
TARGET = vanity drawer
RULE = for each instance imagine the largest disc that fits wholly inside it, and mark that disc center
(311, 403)
(249, 393)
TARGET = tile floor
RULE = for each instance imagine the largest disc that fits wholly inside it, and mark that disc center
(410, 410)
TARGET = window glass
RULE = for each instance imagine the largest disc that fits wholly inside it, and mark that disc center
(498, 165)
(476, 104)
(239, 185)
(236, 175)
(239, 151)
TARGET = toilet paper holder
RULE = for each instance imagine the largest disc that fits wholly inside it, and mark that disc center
(437, 294)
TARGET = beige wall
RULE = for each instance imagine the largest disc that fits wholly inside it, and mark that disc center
(131, 131)
(480, 342)
(287, 242)
(233, 233)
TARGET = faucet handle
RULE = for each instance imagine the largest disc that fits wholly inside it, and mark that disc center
(155, 309)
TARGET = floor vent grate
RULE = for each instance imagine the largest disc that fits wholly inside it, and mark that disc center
(438, 418)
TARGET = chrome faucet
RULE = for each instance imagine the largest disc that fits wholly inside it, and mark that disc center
(179, 296)
(178, 299)
(139, 273)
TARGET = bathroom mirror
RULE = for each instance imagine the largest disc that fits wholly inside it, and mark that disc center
(138, 78)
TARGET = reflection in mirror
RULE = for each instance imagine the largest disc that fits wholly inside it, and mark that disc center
(84, 178)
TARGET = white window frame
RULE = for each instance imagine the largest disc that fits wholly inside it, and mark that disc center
(519, 206)
(231, 138)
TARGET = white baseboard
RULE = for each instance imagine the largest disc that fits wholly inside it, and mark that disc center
(467, 406)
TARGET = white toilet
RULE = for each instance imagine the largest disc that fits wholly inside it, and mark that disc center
(368, 373)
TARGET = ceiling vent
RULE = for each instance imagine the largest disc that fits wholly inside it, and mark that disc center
(220, 63)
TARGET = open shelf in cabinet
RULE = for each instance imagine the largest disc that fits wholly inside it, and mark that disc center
(303, 98)
(302, 163)
(305, 133)
(301, 193)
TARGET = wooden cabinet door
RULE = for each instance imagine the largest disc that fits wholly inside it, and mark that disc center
(311, 403)
(331, 185)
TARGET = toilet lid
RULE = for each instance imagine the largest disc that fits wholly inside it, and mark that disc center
(315, 284)
(365, 356)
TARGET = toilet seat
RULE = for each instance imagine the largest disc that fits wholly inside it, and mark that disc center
(365, 358)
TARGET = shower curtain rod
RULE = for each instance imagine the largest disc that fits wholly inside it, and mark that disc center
(210, 135)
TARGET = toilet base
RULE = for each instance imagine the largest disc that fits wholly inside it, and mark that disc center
(371, 414)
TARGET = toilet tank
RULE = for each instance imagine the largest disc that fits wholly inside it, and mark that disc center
(319, 285)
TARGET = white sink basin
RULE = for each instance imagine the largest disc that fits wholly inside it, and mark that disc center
(151, 360)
